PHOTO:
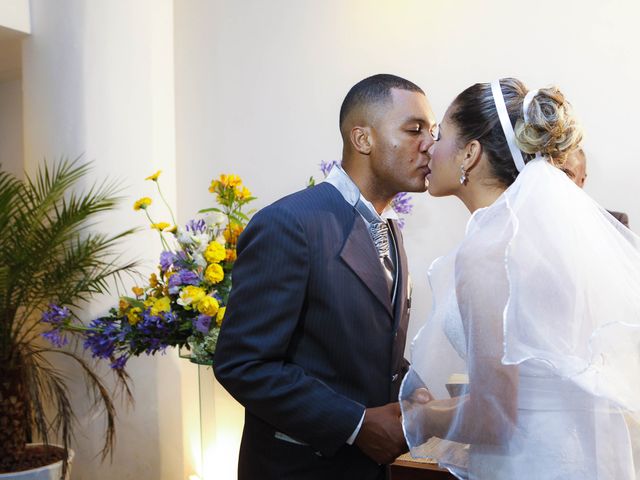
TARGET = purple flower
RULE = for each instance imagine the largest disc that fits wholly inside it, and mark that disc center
(326, 166)
(202, 323)
(196, 226)
(103, 338)
(166, 260)
(56, 337)
(120, 362)
(182, 277)
(401, 203)
(56, 315)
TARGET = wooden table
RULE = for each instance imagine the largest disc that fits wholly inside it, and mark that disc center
(407, 468)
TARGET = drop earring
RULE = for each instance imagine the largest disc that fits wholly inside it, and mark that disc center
(464, 179)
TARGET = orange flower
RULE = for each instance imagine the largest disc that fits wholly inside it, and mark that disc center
(137, 291)
(232, 232)
(231, 255)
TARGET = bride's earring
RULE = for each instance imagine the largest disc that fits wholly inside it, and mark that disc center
(464, 179)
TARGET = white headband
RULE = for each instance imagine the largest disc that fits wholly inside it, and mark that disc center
(509, 134)
(526, 103)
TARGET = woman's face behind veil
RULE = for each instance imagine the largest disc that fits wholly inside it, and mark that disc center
(446, 159)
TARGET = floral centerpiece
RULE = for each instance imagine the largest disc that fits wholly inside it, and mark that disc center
(401, 203)
(183, 303)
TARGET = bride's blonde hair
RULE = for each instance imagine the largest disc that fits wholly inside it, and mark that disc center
(552, 129)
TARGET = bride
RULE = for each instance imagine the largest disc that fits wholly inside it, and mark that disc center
(529, 365)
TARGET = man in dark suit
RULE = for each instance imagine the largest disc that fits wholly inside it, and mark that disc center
(576, 168)
(313, 341)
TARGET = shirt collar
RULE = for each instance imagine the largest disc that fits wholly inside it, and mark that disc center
(351, 193)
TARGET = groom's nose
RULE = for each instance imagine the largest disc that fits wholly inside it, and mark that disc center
(426, 144)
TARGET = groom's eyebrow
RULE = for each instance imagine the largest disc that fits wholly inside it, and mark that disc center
(416, 120)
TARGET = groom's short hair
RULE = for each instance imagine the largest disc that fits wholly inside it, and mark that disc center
(373, 90)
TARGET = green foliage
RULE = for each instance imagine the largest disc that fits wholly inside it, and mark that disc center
(51, 253)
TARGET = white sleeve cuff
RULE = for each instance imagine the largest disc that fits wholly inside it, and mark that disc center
(353, 436)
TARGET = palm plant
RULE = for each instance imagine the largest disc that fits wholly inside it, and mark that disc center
(49, 253)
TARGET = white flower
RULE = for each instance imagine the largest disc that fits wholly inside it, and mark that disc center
(221, 240)
(213, 219)
(184, 237)
(198, 258)
(201, 241)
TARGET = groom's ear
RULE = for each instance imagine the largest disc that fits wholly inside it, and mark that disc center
(472, 154)
(361, 139)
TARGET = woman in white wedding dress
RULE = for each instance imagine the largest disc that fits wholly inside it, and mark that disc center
(539, 306)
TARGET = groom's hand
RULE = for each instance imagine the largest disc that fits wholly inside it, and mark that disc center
(381, 437)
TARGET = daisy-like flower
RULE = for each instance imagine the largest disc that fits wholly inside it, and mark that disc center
(160, 226)
(142, 203)
(155, 176)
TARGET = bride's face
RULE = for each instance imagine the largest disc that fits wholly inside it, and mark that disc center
(446, 159)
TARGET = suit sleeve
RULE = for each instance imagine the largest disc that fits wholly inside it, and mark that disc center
(267, 299)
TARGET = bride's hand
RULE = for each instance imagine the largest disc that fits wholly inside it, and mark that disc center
(421, 395)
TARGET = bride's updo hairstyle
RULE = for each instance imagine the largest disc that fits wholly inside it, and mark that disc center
(551, 129)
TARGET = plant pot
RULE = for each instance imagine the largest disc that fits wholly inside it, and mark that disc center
(52, 471)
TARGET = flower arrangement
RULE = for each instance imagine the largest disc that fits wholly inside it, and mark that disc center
(182, 304)
(401, 203)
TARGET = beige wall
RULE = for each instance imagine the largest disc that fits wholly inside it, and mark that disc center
(11, 126)
(259, 85)
(98, 82)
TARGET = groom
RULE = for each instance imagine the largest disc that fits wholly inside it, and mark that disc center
(314, 338)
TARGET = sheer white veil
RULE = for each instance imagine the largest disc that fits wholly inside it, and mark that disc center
(539, 307)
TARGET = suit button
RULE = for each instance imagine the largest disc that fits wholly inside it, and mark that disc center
(394, 377)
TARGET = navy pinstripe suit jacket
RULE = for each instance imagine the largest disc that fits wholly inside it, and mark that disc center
(310, 338)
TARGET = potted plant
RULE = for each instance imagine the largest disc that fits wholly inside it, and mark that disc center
(51, 261)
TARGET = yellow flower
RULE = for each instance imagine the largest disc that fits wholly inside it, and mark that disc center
(142, 203)
(214, 273)
(133, 315)
(230, 180)
(231, 255)
(243, 193)
(190, 296)
(172, 229)
(214, 253)
(153, 280)
(123, 305)
(162, 305)
(160, 226)
(137, 291)
(209, 306)
(220, 315)
(155, 176)
(150, 302)
(214, 185)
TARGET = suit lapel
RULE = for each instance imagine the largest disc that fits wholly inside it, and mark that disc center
(402, 273)
(360, 255)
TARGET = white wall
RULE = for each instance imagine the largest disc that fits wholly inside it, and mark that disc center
(15, 14)
(98, 82)
(259, 85)
(11, 127)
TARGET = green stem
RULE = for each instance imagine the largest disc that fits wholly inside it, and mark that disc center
(164, 242)
(166, 203)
